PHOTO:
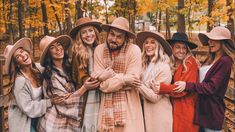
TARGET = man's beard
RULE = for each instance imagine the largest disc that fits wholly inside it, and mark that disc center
(115, 49)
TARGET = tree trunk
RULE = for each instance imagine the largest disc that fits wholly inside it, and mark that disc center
(4, 17)
(168, 31)
(210, 7)
(20, 19)
(189, 20)
(106, 12)
(181, 17)
(160, 21)
(56, 16)
(133, 17)
(67, 17)
(44, 17)
(79, 12)
(230, 22)
(91, 9)
(10, 24)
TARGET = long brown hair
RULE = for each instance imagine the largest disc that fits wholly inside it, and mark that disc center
(80, 50)
(49, 67)
(227, 50)
(17, 72)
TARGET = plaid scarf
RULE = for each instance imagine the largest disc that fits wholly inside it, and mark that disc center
(114, 113)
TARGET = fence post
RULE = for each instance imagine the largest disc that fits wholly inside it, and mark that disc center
(1, 92)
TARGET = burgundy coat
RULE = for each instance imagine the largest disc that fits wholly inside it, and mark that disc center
(210, 105)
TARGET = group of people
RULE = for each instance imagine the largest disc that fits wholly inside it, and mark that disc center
(155, 85)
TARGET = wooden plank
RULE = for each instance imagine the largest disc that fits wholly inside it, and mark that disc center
(1, 92)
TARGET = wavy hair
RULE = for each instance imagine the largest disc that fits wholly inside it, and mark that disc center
(188, 54)
(159, 55)
(80, 49)
(16, 71)
(49, 67)
(227, 50)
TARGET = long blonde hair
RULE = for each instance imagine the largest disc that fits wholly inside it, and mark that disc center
(81, 50)
(159, 55)
(188, 54)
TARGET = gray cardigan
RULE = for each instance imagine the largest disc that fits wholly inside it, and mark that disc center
(22, 108)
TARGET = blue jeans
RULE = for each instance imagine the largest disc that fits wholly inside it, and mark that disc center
(34, 122)
(210, 130)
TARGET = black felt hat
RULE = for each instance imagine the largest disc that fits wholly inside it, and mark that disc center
(182, 37)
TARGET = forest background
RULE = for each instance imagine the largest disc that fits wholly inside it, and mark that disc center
(37, 18)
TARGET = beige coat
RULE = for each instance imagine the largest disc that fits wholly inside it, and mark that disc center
(157, 108)
(134, 121)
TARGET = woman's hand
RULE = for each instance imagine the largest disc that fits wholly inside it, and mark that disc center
(59, 99)
(180, 86)
(91, 83)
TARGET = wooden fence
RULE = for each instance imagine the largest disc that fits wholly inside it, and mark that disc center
(5, 89)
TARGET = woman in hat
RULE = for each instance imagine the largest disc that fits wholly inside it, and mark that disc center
(156, 69)
(184, 68)
(214, 77)
(86, 37)
(27, 103)
(58, 82)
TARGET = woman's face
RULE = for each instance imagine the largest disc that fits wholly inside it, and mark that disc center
(88, 35)
(150, 45)
(215, 45)
(56, 51)
(22, 57)
(179, 50)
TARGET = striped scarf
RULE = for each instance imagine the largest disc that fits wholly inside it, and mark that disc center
(114, 113)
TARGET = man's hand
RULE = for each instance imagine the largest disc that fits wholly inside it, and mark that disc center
(104, 74)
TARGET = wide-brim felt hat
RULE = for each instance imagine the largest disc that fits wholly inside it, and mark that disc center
(182, 37)
(82, 22)
(24, 43)
(142, 36)
(46, 42)
(217, 33)
(120, 23)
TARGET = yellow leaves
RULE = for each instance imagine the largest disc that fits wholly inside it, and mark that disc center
(205, 19)
(146, 6)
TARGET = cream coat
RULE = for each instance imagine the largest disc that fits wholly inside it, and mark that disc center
(134, 122)
(22, 107)
(157, 108)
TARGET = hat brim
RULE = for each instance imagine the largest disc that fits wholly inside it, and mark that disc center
(204, 37)
(74, 31)
(63, 39)
(106, 27)
(24, 43)
(190, 44)
(142, 36)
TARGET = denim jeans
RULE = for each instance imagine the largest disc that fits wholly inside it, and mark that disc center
(210, 130)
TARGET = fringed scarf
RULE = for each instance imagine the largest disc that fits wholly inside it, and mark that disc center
(92, 103)
(114, 113)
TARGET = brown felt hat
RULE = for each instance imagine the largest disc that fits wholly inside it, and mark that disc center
(217, 33)
(24, 43)
(82, 22)
(142, 36)
(46, 41)
(120, 23)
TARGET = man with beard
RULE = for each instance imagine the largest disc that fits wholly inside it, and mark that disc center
(117, 64)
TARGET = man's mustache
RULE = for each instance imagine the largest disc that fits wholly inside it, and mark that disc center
(114, 43)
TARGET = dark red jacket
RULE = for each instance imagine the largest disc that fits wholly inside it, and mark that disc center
(210, 105)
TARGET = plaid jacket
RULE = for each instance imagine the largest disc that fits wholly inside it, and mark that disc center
(66, 117)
